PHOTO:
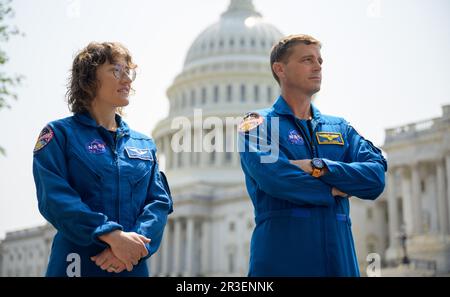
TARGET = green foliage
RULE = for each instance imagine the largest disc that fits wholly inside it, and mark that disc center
(7, 81)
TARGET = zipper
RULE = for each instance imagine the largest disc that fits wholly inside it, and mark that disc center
(313, 143)
(309, 145)
(116, 161)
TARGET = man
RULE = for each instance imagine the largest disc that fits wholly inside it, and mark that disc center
(301, 167)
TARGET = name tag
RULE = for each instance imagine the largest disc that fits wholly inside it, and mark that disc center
(137, 153)
(330, 138)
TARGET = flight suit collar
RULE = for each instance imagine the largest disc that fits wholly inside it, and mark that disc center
(86, 119)
(282, 108)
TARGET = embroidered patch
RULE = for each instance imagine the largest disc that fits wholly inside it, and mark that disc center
(295, 138)
(250, 122)
(137, 153)
(96, 147)
(44, 138)
(330, 138)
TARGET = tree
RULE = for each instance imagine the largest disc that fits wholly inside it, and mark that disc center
(7, 81)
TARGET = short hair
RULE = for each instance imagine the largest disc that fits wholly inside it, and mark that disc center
(281, 51)
(82, 85)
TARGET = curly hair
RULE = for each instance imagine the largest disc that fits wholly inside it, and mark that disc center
(82, 85)
(281, 50)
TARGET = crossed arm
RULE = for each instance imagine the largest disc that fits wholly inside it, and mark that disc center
(361, 174)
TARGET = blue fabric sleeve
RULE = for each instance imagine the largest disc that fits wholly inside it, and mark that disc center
(59, 203)
(158, 206)
(362, 173)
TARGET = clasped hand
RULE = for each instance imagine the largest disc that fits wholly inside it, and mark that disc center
(124, 251)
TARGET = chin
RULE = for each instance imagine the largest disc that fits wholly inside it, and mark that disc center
(123, 102)
(314, 91)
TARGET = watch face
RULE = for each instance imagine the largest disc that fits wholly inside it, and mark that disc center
(318, 163)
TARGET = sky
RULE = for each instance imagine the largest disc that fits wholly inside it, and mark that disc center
(386, 63)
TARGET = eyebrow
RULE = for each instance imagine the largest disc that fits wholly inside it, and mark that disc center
(311, 56)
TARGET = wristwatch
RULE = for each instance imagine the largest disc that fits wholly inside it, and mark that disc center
(317, 165)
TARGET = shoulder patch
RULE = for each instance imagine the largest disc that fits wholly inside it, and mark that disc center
(250, 122)
(44, 138)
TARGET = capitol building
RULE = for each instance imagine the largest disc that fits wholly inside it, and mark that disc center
(226, 72)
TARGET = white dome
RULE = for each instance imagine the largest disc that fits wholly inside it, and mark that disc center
(241, 30)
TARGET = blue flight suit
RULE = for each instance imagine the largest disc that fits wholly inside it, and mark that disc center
(91, 181)
(301, 229)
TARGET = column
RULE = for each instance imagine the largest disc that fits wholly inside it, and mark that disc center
(198, 146)
(447, 167)
(189, 247)
(235, 159)
(166, 251)
(220, 153)
(441, 199)
(416, 200)
(239, 267)
(205, 247)
(177, 247)
(167, 152)
(393, 216)
(154, 259)
(406, 197)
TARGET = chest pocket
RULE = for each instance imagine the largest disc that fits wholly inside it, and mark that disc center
(331, 144)
(140, 163)
(85, 179)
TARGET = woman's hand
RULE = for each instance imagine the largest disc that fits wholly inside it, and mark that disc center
(108, 261)
(128, 247)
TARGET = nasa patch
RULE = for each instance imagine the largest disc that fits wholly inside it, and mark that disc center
(295, 138)
(96, 147)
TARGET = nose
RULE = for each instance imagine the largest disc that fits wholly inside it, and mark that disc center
(317, 67)
(126, 78)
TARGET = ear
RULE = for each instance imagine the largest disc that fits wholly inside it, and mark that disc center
(278, 68)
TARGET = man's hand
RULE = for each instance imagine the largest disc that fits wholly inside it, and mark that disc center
(306, 166)
(108, 261)
(335, 192)
(128, 247)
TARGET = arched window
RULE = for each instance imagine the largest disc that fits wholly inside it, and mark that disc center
(216, 93)
(269, 94)
(229, 93)
(256, 91)
(193, 98)
(203, 96)
(243, 93)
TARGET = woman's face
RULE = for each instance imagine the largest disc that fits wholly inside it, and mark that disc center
(114, 84)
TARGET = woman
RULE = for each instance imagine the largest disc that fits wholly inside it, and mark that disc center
(97, 181)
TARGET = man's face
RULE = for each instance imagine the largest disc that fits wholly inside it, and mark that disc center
(302, 70)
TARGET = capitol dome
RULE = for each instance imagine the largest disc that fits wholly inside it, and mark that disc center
(226, 73)
(240, 32)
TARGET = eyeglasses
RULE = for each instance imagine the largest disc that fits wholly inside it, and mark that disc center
(120, 70)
